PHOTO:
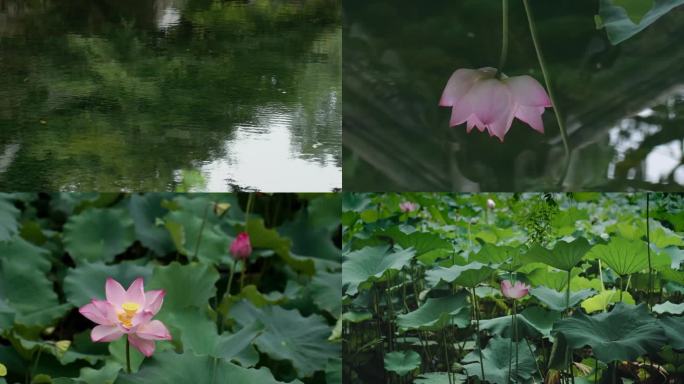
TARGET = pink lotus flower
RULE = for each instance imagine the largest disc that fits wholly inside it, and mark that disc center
(482, 100)
(514, 291)
(127, 312)
(241, 247)
(407, 206)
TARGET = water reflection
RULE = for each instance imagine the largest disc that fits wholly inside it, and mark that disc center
(396, 138)
(133, 95)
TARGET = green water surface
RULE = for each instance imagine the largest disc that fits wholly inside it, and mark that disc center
(623, 105)
(163, 95)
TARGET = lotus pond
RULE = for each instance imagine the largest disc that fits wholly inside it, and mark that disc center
(170, 95)
(597, 290)
(243, 288)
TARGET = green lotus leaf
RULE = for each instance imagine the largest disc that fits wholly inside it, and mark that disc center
(87, 281)
(563, 256)
(496, 361)
(333, 371)
(508, 258)
(672, 275)
(196, 238)
(437, 313)
(673, 326)
(326, 291)
(546, 277)
(676, 256)
(402, 362)
(601, 301)
(262, 237)
(188, 285)
(430, 257)
(25, 290)
(439, 378)
(624, 333)
(98, 234)
(357, 317)
(172, 368)
(469, 275)
(312, 227)
(421, 242)
(533, 322)
(288, 335)
(565, 221)
(578, 283)
(105, 375)
(667, 307)
(556, 300)
(625, 18)
(663, 237)
(623, 256)
(9, 214)
(370, 264)
(145, 210)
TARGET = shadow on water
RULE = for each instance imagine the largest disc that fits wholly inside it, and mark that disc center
(136, 95)
(624, 105)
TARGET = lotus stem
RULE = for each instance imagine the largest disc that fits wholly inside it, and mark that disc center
(567, 293)
(504, 38)
(510, 348)
(515, 332)
(128, 355)
(199, 234)
(476, 315)
(446, 355)
(549, 88)
(535, 359)
(648, 250)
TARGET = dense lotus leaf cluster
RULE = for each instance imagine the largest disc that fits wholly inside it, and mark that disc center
(422, 288)
(274, 321)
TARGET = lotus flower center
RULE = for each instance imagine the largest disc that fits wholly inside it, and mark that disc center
(129, 310)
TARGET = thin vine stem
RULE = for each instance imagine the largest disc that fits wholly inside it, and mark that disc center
(549, 88)
(504, 38)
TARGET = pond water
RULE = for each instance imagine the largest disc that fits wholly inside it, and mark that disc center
(623, 105)
(160, 95)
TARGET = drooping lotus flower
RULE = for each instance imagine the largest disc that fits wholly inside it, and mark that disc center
(127, 312)
(482, 100)
(514, 291)
(491, 204)
(407, 206)
(241, 247)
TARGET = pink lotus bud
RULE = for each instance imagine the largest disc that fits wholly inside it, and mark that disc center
(407, 206)
(241, 247)
(127, 312)
(514, 291)
(491, 204)
(482, 100)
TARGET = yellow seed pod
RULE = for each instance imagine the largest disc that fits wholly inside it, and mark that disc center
(3, 370)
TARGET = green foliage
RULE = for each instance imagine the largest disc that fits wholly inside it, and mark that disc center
(437, 313)
(624, 333)
(264, 320)
(496, 361)
(625, 18)
(402, 363)
(586, 263)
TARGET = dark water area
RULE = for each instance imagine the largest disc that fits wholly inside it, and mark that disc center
(160, 95)
(623, 105)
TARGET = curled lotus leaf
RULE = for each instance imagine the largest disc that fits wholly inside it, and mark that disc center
(624, 333)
